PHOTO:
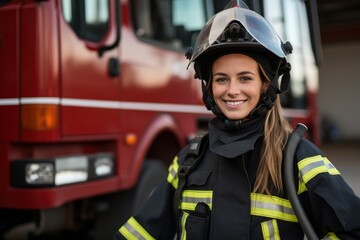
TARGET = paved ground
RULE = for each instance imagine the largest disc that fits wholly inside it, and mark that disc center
(346, 158)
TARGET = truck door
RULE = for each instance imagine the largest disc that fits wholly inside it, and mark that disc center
(89, 77)
(9, 70)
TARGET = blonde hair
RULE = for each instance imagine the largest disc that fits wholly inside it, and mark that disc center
(276, 132)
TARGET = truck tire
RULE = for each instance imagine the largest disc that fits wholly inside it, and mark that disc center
(123, 204)
(152, 173)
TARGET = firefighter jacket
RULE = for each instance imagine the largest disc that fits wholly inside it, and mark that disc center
(217, 201)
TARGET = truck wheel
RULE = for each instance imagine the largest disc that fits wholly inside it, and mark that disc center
(151, 175)
(123, 204)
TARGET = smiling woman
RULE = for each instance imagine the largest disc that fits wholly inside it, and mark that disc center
(236, 85)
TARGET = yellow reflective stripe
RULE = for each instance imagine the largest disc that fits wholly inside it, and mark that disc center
(190, 198)
(173, 170)
(272, 207)
(331, 236)
(331, 168)
(127, 234)
(132, 230)
(270, 230)
(312, 166)
(188, 206)
(302, 186)
(183, 222)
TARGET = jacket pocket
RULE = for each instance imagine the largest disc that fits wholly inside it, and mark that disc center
(195, 224)
(195, 206)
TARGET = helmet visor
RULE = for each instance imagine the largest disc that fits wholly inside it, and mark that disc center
(257, 26)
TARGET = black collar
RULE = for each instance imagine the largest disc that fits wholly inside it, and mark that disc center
(230, 142)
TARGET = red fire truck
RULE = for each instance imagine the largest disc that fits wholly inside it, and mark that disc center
(95, 101)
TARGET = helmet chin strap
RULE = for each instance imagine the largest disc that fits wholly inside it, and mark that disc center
(209, 101)
(267, 99)
(266, 102)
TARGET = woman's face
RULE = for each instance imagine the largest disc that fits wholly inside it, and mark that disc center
(236, 85)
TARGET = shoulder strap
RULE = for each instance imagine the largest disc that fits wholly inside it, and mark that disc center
(191, 161)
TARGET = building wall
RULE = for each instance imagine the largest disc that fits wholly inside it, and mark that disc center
(339, 89)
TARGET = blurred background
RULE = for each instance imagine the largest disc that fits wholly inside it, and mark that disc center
(339, 83)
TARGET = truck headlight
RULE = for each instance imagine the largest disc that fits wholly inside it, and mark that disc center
(39, 173)
(71, 170)
(103, 166)
(61, 171)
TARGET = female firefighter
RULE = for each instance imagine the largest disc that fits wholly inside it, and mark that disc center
(229, 183)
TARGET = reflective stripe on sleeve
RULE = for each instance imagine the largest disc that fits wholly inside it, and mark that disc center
(270, 230)
(132, 230)
(331, 236)
(272, 207)
(190, 198)
(173, 170)
(312, 166)
(302, 187)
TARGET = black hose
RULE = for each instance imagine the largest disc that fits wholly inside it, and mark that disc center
(290, 150)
